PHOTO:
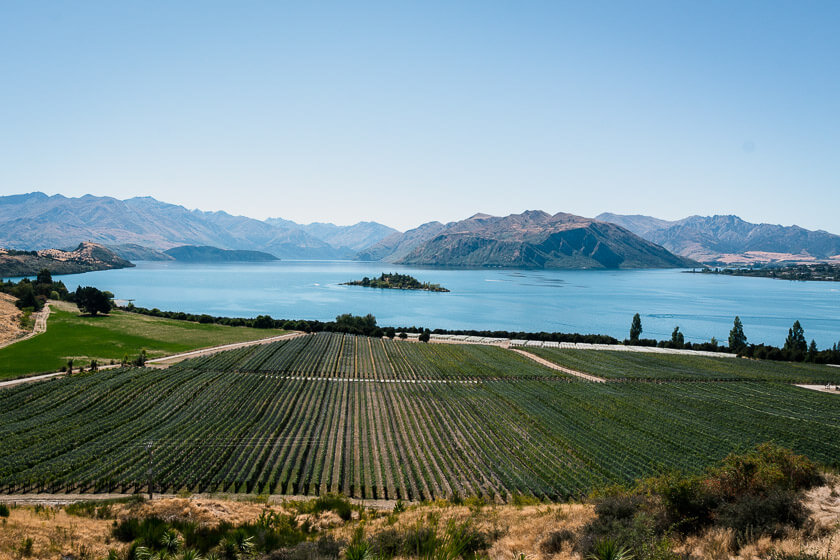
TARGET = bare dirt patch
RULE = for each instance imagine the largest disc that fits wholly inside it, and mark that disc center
(552, 365)
(833, 389)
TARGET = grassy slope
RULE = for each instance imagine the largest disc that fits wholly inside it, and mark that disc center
(643, 365)
(70, 335)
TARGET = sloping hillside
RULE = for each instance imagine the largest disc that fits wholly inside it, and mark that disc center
(85, 258)
(535, 239)
(196, 254)
(398, 245)
(730, 239)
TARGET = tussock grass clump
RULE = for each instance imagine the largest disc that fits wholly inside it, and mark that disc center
(328, 502)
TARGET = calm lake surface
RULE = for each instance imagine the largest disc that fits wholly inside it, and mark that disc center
(585, 301)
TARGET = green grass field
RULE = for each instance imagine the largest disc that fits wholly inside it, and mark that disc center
(106, 338)
(646, 365)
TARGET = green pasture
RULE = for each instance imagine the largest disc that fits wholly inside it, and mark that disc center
(106, 338)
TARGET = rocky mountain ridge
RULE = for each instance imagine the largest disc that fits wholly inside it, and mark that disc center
(727, 239)
(536, 239)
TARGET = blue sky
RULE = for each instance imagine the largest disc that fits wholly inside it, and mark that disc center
(405, 112)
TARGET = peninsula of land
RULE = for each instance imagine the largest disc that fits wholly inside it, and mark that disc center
(86, 257)
(824, 272)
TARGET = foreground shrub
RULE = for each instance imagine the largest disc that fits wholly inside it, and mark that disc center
(387, 544)
(771, 514)
(755, 494)
(328, 502)
(90, 509)
(759, 491)
(270, 532)
(609, 549)
(457, 540)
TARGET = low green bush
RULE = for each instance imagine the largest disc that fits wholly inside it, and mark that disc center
(92, 509)
(758, 493)
(328, 502)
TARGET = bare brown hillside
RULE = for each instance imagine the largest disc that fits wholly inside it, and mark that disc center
(9, 319)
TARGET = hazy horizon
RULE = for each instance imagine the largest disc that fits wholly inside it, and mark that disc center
(407, 113)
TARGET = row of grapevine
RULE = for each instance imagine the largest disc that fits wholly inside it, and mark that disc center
(345, 356)
(670, 367)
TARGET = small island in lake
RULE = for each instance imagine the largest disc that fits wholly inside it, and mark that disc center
(822, 272)
(395, 281)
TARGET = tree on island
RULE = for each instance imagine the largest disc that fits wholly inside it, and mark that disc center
(92, 301)
(737, 338)
(636, 328)
(397, 281)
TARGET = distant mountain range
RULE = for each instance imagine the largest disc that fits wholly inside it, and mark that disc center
(352, 238)
(146, 229)
(731, 240)
(38, 221)
(84, 258)
(397, 245)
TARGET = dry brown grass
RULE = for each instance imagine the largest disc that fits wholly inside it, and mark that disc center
(199, 510)
(824, 503)
(517, 530)
(53, 534)
(9, 319)
(520, 530)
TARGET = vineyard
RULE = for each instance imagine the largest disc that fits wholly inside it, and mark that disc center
(668, 367)
(375, 418)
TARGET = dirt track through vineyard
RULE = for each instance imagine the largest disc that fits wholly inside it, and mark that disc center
(552, 365)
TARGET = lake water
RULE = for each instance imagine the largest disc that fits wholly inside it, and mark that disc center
(585, 301)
